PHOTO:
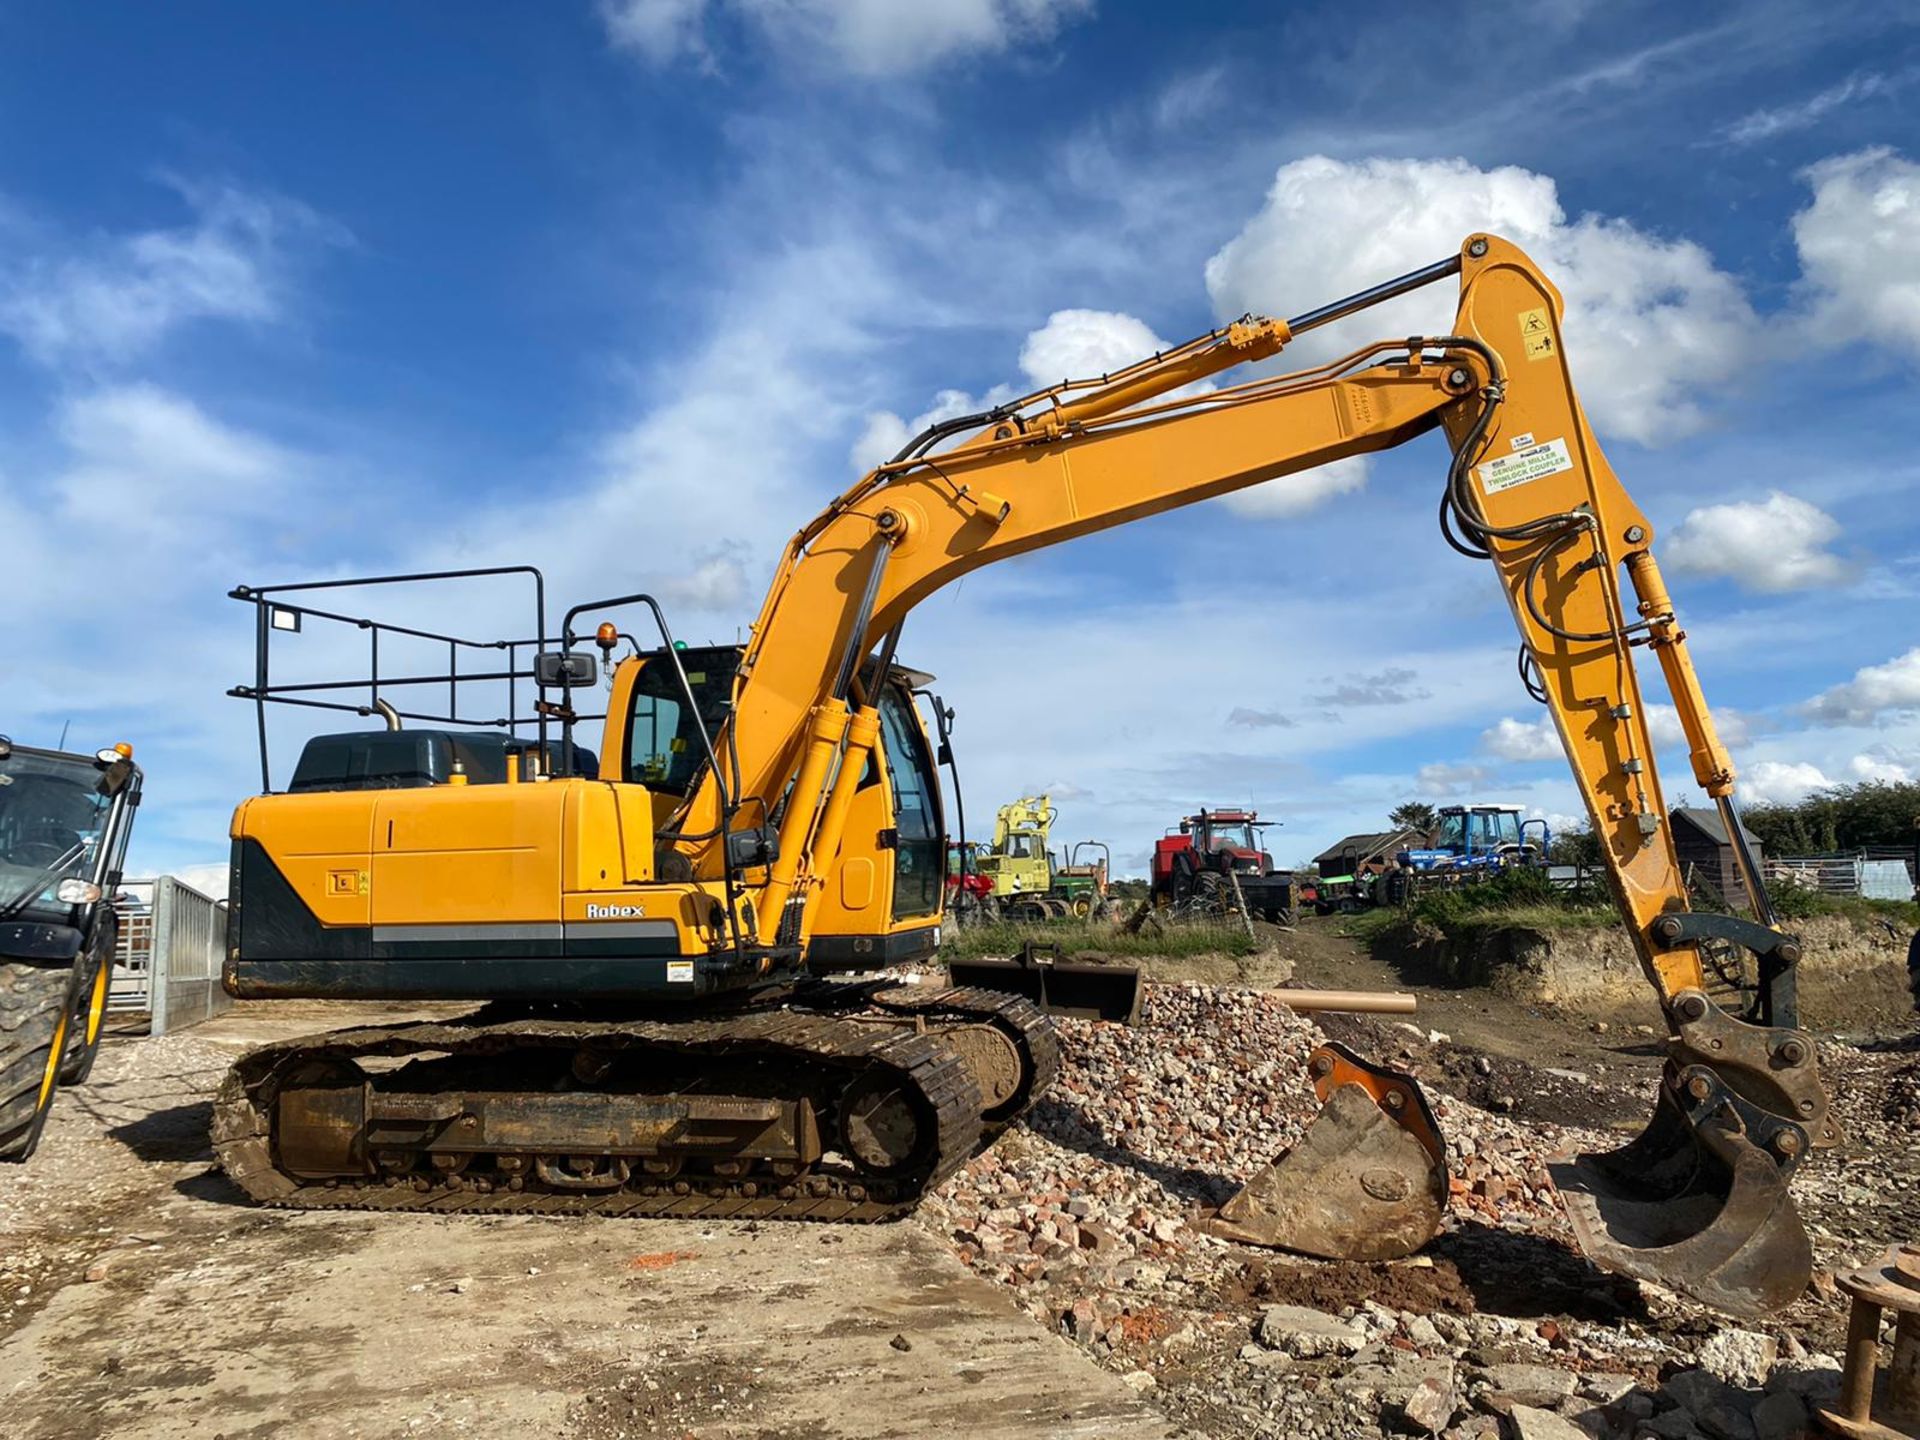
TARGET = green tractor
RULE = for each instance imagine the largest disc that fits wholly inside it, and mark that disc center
(64, 823)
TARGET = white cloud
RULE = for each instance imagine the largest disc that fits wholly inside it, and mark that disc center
(1559, 822)
(1060, 791)
(1859, 244)
(865, 37)
(660, 30)
(1517, 740)
(1085, 345)
(1250, 719)
(115, 298)
(1443, 780)
(1663, 723)
(1520, 740)
(1769, 123)
(1873, 768)
(1772, 545)
(1652, 325)
(1779, 782)
(886, 434)
(1292, 495)
(718, 582)
(1874, 694)
(164, 466)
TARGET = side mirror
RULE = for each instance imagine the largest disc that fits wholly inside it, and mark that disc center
(945, 754)
(113, 778)
(563, 670)
(750, 849)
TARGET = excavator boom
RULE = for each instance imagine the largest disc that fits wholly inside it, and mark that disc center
(1699, 1202)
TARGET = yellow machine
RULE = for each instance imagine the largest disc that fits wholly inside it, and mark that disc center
(700, 863)
(1018, 863)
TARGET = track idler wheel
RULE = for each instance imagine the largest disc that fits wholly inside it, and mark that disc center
(1368, 1180)
(1698, 1201)
(880, 1125)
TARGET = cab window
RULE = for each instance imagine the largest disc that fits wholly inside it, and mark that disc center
(664, 748)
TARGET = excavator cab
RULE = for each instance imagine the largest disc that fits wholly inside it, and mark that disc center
(885, 899)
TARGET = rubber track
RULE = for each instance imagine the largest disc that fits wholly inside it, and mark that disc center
(242, 1112)
(1024, 1022)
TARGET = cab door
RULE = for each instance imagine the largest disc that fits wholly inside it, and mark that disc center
(918, 826)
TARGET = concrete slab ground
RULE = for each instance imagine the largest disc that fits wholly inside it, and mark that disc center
(208, 1317)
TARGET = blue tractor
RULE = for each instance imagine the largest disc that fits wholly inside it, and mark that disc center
(1470, 843)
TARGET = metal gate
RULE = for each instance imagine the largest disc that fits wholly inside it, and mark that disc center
(131, 989)
(167, 961)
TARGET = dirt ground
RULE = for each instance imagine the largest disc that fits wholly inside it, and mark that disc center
(140, 1297)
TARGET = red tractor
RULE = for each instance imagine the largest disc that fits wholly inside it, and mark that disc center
(1215, 860)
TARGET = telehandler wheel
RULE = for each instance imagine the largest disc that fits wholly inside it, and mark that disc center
(89, 1019)
(36, 1021)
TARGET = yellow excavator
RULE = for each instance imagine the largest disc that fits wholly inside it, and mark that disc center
(647, 930)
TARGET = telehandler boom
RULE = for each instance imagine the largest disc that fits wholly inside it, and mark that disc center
(702, 871)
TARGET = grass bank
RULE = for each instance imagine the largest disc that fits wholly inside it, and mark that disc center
(1521, 899)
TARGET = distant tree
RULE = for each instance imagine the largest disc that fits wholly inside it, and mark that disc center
(1575, 847)
(1413, 815)
(1842, 817)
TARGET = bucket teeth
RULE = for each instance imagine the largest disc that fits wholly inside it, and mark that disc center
(1694, 1204)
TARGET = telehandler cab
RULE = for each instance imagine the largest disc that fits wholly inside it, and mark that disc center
(64, 824)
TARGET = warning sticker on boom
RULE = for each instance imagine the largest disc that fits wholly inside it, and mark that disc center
(1507, 471)
(1536, 334)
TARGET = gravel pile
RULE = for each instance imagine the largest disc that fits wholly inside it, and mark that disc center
(1902, 1106)
(1499, 1329)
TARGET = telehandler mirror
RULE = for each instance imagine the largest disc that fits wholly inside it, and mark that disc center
(113, 778)
(563, 669)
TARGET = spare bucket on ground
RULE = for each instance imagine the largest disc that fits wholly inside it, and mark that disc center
(1082, 989)
(1368, 1180)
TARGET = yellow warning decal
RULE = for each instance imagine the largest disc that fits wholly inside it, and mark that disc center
(1506, 471)
(1536, 333)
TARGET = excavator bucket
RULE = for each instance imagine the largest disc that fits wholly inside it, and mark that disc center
(1083, 989)
(1696, 1202)
(1368, 1181)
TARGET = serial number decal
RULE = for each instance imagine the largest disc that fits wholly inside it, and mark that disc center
(1507, 471)
(616, 912)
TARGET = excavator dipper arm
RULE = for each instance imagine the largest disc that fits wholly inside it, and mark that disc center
(1699, 1201)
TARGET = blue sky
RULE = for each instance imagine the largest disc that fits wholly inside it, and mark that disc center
(629, 290)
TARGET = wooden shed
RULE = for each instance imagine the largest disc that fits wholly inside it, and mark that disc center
(1706, 853)
(1369, 853)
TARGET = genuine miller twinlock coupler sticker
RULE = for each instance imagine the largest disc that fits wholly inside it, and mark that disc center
(1507, 471)
(1536, 333)
(679, 972)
